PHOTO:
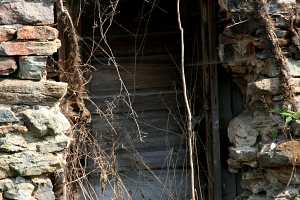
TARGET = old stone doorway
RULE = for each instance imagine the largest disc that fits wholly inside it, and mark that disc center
(141, 49)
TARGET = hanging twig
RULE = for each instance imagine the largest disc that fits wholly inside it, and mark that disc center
(187, 105)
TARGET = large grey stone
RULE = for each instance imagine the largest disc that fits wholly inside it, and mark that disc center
(25, 92)
(32, 67)
(20, 191)
(26, 12)
(241, 132)
(53, 144)
(43, 122)
(30, 163)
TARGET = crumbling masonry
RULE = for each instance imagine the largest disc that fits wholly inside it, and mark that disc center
(32, 128)
(261, 49)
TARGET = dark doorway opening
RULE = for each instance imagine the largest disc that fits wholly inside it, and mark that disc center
(141, 49)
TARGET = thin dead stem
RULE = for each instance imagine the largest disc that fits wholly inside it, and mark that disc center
(187, 106)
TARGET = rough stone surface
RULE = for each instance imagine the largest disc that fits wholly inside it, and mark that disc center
(12, 143)
(248, 53)
(44, 189)
(43, 122)
(13, 48)
(240, 132)
(41, 33)
(294, 67)
(26, 12)
(32, 127)
(7, 116)
(268, 86)
(7, 32)
(30, 163)
(13, 128)
(25, 92)
(32, 67)
(243, 153)
(7, 65)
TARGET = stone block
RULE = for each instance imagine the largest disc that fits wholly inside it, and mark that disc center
(43, 122)
(44, 189)
(243, 154)
(26, 11)
(53, 144)
(294, 67)
(7, 32)
(32, 67)
(241, 132)
(7, 116)
(264, 86)
(278, 155)
(13, 128)
(29, 163)
(41, 33)
(13, 48)
(25, 92)
(11, 143)
(8, 65)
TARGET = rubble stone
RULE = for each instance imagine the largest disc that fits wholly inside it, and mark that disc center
(7, 32)
(26, 12)
(32, 67)
(7, 66)
(43, 122)
(240, 131)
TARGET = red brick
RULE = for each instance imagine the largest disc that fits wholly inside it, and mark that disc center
(41, 33)
(29, 48)
(7, 65)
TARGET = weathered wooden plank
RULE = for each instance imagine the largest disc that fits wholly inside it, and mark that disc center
(142, 184)
(25, 92)
(124, 45)
(141, 101)
(141, 76)
(153, 159)
(159, 129)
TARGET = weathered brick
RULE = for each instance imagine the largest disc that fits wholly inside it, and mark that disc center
(7, 65)
(7, 32)
(41, 33)
(26, 12)
(32, 67)
(29, 48)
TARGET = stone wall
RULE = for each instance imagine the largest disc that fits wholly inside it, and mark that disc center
(32, 128)
(265, 147)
